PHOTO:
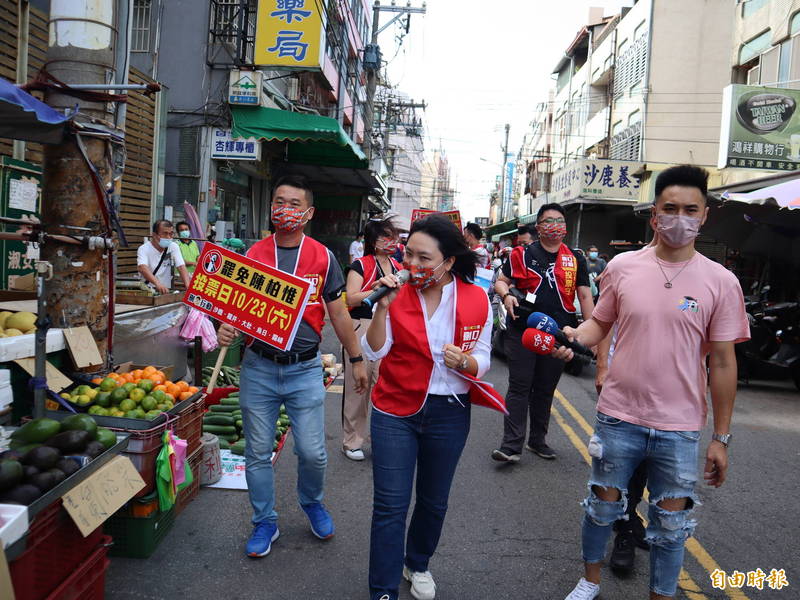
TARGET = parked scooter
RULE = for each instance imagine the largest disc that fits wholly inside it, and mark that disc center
(773, 351)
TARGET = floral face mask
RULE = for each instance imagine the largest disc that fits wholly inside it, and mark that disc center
(288, 218)
(422, 277)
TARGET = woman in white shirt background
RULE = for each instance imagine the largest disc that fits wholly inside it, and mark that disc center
(436, 326)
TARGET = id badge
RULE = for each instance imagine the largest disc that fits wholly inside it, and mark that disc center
(530, 297)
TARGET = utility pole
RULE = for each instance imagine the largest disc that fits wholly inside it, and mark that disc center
(503, 178)
(372, 60)
(80, 52)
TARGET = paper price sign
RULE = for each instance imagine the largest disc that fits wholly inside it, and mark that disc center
(258, 300)
(453, 215)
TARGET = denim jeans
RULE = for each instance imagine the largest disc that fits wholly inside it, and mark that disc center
(617, 448)
(430, 441)
(266, 385)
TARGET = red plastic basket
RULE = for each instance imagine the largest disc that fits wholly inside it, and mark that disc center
(88, 582)
(217, 394)
(189, 493)
(189, 425)
(54, 548)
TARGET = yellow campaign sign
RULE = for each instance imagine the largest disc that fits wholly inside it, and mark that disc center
(290, 33)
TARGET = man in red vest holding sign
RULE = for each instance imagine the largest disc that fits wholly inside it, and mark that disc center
(271, 377)
(549, 274)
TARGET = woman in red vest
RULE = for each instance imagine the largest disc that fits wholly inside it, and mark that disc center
(427, 333)
(380, 242)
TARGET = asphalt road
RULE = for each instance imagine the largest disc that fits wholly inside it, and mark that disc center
(512, 532)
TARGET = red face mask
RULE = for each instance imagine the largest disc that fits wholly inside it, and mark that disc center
(422, 277)
(553, 231)
(288, 218)
(386, 246)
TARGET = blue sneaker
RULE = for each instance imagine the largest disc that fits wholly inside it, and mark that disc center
(320, 519)
(260, 542)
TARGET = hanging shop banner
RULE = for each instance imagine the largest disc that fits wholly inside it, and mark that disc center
(244, 87)
(224, 146)
(596, 179)
(258, 300)
(290, 33)
(760, 128)
(20, 198)
(453, 215)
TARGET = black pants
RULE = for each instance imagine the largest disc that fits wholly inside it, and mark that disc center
(532, 380)
(636, 487)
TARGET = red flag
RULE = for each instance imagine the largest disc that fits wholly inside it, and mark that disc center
(483, 393)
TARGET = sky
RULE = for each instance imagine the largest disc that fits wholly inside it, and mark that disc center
(478, 65)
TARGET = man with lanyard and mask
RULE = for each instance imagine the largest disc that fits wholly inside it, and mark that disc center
(549, 273)
(271, 377)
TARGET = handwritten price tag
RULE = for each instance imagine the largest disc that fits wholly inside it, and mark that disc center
(102, 494)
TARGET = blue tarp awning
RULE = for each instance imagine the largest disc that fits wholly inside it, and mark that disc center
(23, 117)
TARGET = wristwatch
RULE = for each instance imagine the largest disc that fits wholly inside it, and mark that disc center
(724, 438)
(464, 364)
(355, 359)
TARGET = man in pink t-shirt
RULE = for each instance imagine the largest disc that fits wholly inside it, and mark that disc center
(674, 310)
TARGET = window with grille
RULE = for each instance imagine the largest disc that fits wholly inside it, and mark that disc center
(625, 144)
(631, 65)
(140, 28)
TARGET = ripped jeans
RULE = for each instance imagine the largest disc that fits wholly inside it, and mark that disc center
(617, 448)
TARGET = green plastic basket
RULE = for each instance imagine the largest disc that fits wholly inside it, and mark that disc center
(137, 537)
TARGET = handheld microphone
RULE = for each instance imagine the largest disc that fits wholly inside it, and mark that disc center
(538, 341)
(382, 290)
(541, 321)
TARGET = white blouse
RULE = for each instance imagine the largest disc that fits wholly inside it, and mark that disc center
(440, 330)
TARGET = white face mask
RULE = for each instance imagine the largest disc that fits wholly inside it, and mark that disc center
(164, 242)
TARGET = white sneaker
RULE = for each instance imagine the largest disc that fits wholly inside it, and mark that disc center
(357, 454)
(422, 585)
(585, 590)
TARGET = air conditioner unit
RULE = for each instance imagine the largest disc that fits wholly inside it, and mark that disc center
(293, 90)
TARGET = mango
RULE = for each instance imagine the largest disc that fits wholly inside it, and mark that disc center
(12, 332)
(21, 320)
(3, 316)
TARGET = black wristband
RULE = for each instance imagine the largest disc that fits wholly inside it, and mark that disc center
(354, 359)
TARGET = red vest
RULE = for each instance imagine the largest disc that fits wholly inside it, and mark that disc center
(312, 263)
(565, 271)
(405, 373)
(369, 264)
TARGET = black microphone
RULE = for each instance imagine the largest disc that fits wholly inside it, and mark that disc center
(547, 324)
(382, 290)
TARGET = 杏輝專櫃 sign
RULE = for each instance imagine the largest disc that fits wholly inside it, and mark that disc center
(256, 299)
(596, 179)
(760, 128)
(244, 87)
(290, 33)
(224, 146)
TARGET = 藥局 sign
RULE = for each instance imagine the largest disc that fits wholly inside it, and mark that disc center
(290, 33)
(226, 147)
(760, 128)
(596, 179)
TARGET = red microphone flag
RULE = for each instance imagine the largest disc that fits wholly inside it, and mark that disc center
(538, 341)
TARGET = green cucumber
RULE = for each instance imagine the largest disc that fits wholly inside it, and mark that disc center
(218, 429)
(238, 448)
(225, 408)
(232, 438)
(218, 419)
(223, 443)
(229, 401)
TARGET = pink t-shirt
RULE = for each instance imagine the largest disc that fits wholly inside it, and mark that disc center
(658, 376)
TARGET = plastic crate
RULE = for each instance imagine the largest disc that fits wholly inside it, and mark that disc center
(189, 425)
(138, 538)
(190, 492)
(88, 582)
(54, 549)
(143, 448)
(141, 507)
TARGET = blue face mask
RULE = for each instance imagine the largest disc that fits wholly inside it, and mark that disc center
(164, 242)
(593, 255)
(185, 233)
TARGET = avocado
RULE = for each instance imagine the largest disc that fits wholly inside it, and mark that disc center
(25, 494)
(29, 471)
(43, 457)
(68, 466)
(106, 437)
(94, 449)
(70, 441)
(80, 422)
(37, 431)
(10, 474)
(58, 475)
(44, 481)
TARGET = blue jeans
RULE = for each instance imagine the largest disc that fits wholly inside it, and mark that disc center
(430, 441)
(266, 385)
(617, 448)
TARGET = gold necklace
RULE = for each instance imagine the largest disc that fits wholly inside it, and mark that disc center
(667, 280)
